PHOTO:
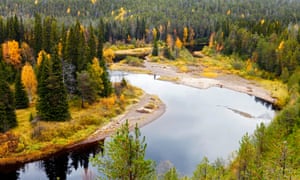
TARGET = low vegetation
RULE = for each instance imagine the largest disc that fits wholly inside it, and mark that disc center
(35, 138)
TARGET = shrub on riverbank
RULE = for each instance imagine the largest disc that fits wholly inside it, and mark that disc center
(34, 137)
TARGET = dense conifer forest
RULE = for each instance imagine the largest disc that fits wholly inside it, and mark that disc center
(54, 47)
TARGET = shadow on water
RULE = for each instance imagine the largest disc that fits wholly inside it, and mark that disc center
(58, 166)
(266, 103)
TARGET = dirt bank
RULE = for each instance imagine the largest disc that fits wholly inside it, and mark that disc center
(148, 109)
(232, 82)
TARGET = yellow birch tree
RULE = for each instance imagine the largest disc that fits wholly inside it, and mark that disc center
(29, 80)
(11, 53)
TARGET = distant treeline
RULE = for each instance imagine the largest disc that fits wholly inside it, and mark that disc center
(137, 17)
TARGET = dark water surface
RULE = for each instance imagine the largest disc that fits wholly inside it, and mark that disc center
(196, 123)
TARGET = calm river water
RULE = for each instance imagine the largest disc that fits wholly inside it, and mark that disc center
(196, 123)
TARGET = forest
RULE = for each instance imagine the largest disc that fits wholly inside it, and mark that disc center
(52, 51)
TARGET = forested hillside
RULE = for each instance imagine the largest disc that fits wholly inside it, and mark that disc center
(57, 45)
(137, 16)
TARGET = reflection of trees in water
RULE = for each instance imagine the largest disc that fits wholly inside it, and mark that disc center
(10, 175)
(57, 167)
(264, 103)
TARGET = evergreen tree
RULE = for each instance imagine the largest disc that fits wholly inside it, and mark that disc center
(171, 174)
(76, 48)
(7, 107)
(91, 53)
(86, 88)
(52, 104)
(100, 39)
(22, 100)
(107, 86)
(124, 156)
(46, 34)
(38, 33)
(95, 72)
(155, 48)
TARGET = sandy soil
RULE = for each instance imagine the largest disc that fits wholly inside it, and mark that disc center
(232, 82)
(135, 114)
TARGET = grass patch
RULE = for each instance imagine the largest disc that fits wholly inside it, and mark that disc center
(168, 78)
(33, 139)
(278, 90)
(209, 74)
(122, 67)
(134, 61)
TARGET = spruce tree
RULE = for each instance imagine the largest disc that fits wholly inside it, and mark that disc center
(52, 104)
(7, 107)
(91, 53)
(107, 86)
(155, 48)
(59, 94)
(38, 33)
(22, 100)
(124, 156)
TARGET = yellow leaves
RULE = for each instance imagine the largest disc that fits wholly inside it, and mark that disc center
(262, 21)
(96, 67)
(93, 1)
(169, 41)
(42, 54)
(178, 43)
(11, 53)
(128, 38)
(248, 65)
(211, 40)
(228, 12)
(154, 33)
(185, 35)
(121, 15)
(36, 2)
(29, 80)
(68, 10)
(60, 49)
(109, 102)
(281, 45)
(108, 55)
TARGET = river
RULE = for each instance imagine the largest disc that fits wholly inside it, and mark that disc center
(197, 123)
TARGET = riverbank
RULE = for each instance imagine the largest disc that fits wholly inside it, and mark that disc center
(169, 72)
(145, 109)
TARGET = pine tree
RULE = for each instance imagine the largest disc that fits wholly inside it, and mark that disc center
(38, 33)
(100, 39)
(124, 156)
(85, 88)
(52, 104)
(22, 100)
(7, 107)
(91, 53)
(107, 86)
(46, 34)
(172, 174)
(155, 48)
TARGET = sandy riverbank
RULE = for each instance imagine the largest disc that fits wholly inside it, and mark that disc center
(137, 113)
(232, 82)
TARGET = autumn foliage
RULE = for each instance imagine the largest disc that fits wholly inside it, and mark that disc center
(29, 80)
(11, 53)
